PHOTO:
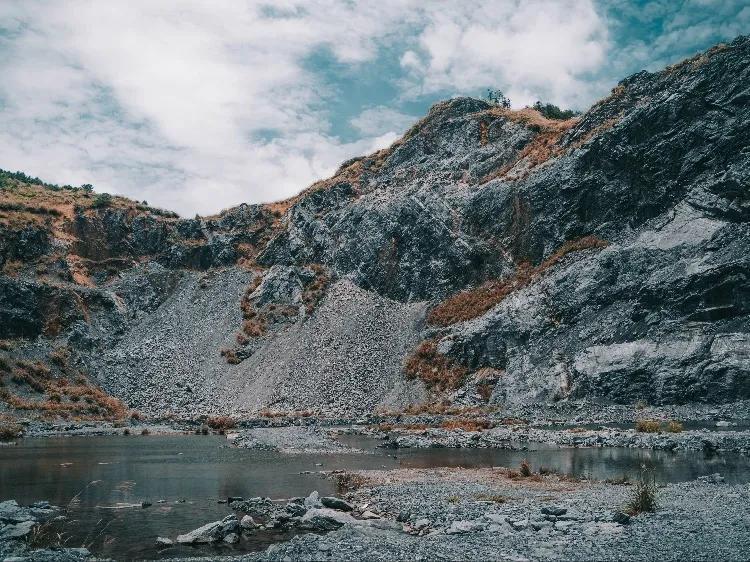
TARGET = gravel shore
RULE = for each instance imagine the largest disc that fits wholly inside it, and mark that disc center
(484, 515)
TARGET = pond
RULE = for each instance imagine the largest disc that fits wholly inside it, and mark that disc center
(105, 479)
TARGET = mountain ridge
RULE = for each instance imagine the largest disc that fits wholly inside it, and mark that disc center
(599, 258)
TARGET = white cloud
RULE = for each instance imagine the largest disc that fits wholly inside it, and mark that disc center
(530, 49)
(380, 120)
(167, 101)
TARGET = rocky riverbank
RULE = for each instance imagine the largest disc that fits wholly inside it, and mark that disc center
(489, 514)
(23, 529)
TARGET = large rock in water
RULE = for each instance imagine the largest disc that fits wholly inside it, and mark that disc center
(659, 170)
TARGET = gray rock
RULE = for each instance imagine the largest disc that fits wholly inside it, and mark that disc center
(164, 541)
(460, 527)
(208, 533)
(553, 510)
(14, 531)
(336, 503)
(313, 500)
(232, 538)
(621, 517)
(420, 524)
(714, 478)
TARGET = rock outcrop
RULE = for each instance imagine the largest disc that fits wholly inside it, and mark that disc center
(604, 258)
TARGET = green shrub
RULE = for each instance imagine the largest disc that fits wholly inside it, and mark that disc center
(102, 200)
(551, 111)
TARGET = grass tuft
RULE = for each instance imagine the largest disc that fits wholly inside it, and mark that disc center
(673, 426)
(643, 499)
(647, 426)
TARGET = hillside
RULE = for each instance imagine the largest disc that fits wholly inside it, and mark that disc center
(488, 256)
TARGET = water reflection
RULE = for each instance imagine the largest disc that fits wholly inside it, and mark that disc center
(188, 474)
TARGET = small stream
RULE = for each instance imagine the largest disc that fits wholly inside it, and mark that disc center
(190, 473)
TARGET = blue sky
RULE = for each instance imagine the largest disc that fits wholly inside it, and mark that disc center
(196, 106)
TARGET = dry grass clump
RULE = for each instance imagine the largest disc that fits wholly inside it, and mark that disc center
(673, 426)
(466, 424)
(494, 498)
(59, 396)
(643, 498)
(231, 356)
(485, 390)
(647, 426)
(435, 369)
(348, 481)
(9, 430)
(472, 303)
(220, 422)
(60, 356)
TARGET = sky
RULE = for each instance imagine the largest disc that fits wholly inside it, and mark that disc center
(197, 105)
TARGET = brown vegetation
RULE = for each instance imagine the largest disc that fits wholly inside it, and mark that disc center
(58, 396)
(643, 498)
(673, 426)
(647, 426)
(435, 369)
(220, 422)
(471, 303)
(542, 147)
(9, 430)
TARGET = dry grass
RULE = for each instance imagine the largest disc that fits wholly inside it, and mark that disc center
(60, 398)
(348, 481)
(644, 494)
(220, 422)
(472, 303)
(10, 430)
(673, 426)
(435, 369)
(539, 150)
(647, 426)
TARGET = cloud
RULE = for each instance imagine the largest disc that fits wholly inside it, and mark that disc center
(529, 49)
(196, 105)
(380, 120)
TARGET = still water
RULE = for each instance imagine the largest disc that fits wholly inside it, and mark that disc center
(189, 474)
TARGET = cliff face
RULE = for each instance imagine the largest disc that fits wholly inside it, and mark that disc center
(488, 255)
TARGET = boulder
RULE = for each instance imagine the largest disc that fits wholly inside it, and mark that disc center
(621, 517)
(554, 510)
(324, 519)
(208, 533)
(336, 503)
(17, 530)
(460, 527)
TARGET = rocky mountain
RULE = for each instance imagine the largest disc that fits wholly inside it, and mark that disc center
(490, 255)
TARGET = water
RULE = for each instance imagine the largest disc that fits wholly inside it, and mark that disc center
(97, 473)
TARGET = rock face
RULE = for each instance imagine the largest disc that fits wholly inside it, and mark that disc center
(604, 257)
